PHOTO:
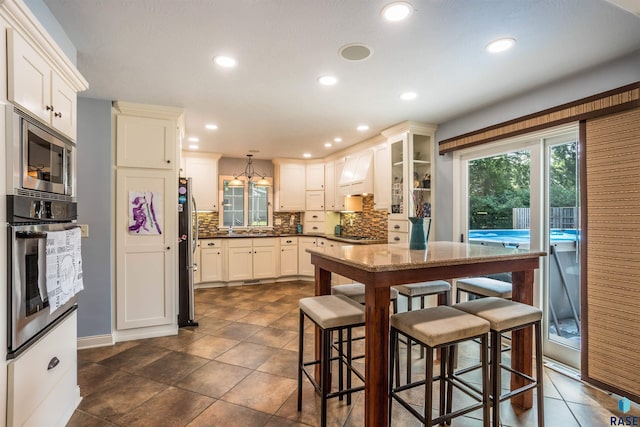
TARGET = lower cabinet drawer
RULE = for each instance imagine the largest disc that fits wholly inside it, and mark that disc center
(44, 372)
(398, 237)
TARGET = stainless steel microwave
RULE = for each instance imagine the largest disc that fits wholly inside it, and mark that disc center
(40, 161)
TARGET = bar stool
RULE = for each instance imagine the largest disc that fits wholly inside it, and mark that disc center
(421, 290)
(504, 315)
(355, 291)
(440, 328)
(483, 287)
(329, 313)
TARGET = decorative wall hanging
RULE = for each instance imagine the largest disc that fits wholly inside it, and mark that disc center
(145, 212)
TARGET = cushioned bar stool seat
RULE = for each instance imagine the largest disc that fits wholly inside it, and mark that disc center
(483, 287)
(355, 291)
(504, 315)
(329, 313)
(421, 290)
(440, 328)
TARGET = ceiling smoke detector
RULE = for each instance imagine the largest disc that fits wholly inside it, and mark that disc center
(355, 52)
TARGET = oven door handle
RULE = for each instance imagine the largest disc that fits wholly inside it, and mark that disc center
(31, 235)
(37, 234)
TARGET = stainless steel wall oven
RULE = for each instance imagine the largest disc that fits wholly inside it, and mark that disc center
(30, 219)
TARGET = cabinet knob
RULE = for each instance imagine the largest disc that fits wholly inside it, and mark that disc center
(53, 363)
(211, 244)
(289, 241)
(59, 115)
(49, 108)
(397, 227)
(218, 253)
(396, 239)
(168, 161)
(168, 247)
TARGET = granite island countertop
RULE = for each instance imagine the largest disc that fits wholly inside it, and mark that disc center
(398, 256)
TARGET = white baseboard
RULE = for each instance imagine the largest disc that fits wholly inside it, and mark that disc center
(95, 341)
(142, 333)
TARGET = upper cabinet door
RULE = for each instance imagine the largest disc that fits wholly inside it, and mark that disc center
(291, 188)
(315, 176)
(144, 142)
(29, 77)
(63, 99)
(35, 86)
(204, 172)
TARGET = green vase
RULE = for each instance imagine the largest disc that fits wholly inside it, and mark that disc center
(420, 228)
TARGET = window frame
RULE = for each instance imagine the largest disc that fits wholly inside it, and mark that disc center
(245, 226)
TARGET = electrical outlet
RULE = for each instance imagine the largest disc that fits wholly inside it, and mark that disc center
(84, 230)
(278, 221)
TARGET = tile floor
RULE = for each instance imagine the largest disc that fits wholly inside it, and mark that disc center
(238, 368)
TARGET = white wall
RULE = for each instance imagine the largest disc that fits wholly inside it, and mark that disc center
(615, 74)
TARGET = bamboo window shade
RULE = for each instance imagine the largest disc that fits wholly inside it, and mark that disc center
(613, 250)
(597, 105)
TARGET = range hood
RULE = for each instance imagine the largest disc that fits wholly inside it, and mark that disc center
(357, 175)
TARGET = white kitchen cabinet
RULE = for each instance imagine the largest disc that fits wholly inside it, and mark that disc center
(211, 260)
(382, 177)
(315, 176)
(144, 142)
(240, 260)
(290, 182)
(305, 268)
(265, 258)
(314, 222)
(339, 197)
(203, 169)
(329, 186)
(34, 85)
(41, 392)
(146, 263)
(314, 200)
(288, 256)
(250, 259)
(412, 151)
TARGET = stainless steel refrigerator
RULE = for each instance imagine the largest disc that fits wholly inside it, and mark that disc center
(188, 240)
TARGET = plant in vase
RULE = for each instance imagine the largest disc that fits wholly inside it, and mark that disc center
(420, 223)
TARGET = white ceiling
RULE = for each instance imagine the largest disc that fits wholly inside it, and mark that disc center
(160, 51)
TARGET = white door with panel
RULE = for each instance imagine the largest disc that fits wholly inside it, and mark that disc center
(240, 261)
(288, 256)
(291, 186)
(305, 268)
(265, 258)
(204, 173)
(146, 274)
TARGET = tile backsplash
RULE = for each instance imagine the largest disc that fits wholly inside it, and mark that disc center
(369, 222)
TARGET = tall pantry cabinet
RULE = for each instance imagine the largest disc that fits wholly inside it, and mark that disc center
(147, 143)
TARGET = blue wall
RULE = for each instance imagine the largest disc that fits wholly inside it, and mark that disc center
(614, 74)
(95, 208)
(53, 27)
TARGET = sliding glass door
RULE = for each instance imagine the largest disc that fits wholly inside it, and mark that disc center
(524, 194)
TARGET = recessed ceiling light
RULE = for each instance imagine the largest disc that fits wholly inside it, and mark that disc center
(327, 144)
(225, 61)
(211, 126)
(338, 139)
(194, 147)
(306, 155)
(408, 96)
(363, 128)
(500, 45)
(194, 139)
(327, 80)
(397, 11)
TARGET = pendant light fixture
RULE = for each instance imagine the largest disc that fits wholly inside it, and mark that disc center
(249, 172)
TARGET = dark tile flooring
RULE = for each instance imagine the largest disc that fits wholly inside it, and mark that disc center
(238, 368)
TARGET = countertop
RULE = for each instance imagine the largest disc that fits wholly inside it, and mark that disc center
(261, 235)
(398, 256)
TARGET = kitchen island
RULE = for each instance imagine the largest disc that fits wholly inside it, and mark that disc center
(384, 265)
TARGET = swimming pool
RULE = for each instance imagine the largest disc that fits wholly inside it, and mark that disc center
(519, 237)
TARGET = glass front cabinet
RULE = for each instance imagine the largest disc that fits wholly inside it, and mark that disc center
(412, 188)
